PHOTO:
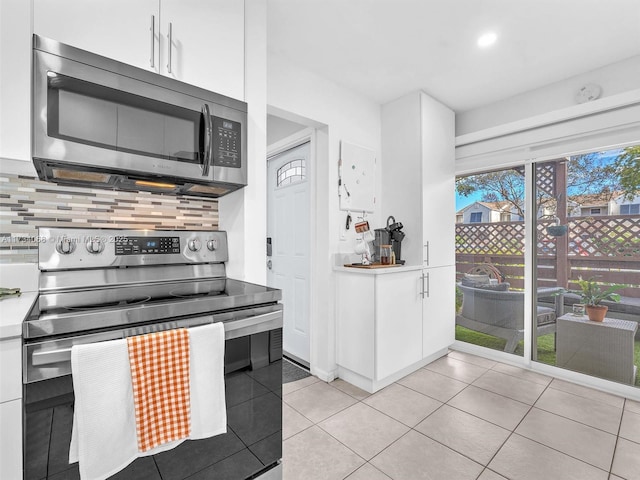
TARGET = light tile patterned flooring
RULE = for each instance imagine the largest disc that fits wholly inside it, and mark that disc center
(460, 417)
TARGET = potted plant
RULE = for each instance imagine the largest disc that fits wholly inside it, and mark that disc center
(592, 294)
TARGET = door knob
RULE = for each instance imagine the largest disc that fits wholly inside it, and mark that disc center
(269, 264)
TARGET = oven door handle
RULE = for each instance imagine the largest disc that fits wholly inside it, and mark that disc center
(253, 325)
(52, 356)
(233, 329)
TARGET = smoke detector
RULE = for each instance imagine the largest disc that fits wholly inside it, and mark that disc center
(588, 93)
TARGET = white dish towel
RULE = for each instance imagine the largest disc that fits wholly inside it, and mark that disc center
(104, 438)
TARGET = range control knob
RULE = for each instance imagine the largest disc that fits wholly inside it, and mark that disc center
(65, 246)
(194, 245)
(95, 245)
(212, 245)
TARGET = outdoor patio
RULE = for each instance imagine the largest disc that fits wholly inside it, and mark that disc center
(605, 247)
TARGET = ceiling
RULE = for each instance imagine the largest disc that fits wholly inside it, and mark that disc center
(387, 48)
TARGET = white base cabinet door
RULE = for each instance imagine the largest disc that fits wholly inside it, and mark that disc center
(379, 327)
(398, 325)
(11, 440)
(438, 309)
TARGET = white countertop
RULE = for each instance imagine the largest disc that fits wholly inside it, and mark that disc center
(13, 310)
(377, 271)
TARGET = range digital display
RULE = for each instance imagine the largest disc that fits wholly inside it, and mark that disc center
(147, 245)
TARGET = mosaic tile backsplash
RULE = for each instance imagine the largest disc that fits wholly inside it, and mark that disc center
(27, 203)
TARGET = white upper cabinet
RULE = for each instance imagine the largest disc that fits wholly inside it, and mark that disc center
(207, 44)
(206, 36)
(418, 181)
(438, 182)
(15, 81)
(117, 29)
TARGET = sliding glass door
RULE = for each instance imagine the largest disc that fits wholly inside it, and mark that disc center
(585, 235)
(490, 233)
(588, 241)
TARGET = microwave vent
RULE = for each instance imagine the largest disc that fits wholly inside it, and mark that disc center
(214, 191)
(80, 176)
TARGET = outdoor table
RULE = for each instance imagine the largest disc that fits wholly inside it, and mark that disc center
(602, 349)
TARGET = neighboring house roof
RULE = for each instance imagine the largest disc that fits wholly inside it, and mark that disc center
(498, 206)
(495, 206)
(594, 199)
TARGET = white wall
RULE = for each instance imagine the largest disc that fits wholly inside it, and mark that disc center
(614, 79)
(243, 213)
(279, 128)
(347, 116)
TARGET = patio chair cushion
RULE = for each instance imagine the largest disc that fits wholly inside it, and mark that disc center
(499, 287)
(470, 280)
(501, 314)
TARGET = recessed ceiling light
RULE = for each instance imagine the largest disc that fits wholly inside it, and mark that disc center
(487, 39)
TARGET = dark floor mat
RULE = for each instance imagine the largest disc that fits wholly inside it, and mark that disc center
(292, 372)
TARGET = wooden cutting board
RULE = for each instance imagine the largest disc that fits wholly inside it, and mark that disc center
(373, 265)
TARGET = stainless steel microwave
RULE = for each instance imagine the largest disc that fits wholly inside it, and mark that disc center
(102, 123)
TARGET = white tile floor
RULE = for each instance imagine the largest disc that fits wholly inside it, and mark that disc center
(461, 417)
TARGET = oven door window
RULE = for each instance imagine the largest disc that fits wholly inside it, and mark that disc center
(92, 114)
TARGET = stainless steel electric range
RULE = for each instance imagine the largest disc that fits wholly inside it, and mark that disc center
(98, 285)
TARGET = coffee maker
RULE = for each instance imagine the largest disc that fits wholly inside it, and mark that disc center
(391, 235)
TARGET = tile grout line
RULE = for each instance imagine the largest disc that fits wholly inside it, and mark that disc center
(615, 448)
(512, 432)
(548, 446)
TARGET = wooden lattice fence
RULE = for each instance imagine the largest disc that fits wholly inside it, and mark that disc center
(607, 247)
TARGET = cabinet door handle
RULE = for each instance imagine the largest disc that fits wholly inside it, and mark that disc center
(426, 253)
(422, 289)
(427, 290)
(153, 41)
(170, 37)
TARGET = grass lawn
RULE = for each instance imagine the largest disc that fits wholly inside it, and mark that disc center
(546, 353)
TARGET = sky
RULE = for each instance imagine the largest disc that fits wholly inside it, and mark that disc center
(462, 201)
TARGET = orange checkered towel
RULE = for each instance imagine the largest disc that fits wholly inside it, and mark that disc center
(160, 379)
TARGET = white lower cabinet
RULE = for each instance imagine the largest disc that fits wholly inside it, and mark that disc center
(438, 309)
(380, 326)
(11, 439)
(11, 408)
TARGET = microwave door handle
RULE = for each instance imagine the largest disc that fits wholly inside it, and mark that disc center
(207, 154)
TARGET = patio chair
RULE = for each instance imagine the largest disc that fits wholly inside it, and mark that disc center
(501, 313)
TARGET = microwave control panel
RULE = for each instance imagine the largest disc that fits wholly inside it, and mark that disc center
(227, 144)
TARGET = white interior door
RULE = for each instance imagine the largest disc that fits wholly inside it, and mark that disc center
(288, 228)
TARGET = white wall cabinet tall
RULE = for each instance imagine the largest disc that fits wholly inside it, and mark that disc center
(200, 42)
(437, 128)
(418, 182)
